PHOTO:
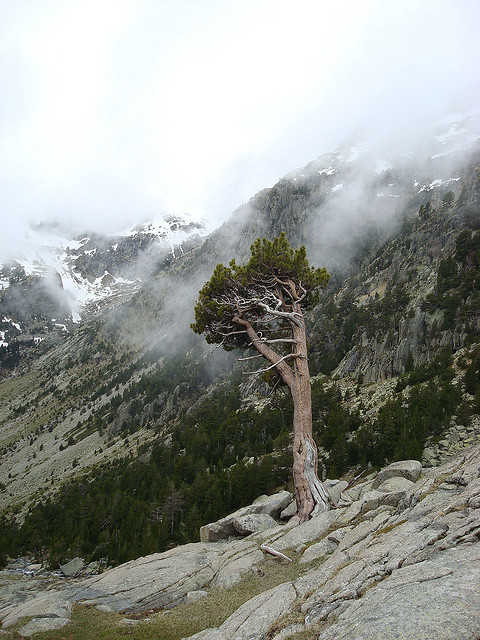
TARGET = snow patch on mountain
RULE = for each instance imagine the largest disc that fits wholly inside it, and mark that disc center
(67, 265)
(437, 183)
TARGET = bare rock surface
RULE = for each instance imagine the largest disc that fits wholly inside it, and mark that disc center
(225, 528)
(253, 523)
(401, 561)
(72, 568)
(409, 469)
(436, 598)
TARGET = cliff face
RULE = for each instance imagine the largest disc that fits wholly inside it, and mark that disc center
(411, 295)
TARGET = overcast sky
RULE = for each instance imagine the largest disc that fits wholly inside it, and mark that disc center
(113, 111)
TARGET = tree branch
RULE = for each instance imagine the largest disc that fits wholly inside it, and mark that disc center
(231, 333)
(281, 314)
(254, 373)
(217, 346)
(269, 354)
(275, 553)
(287, 340)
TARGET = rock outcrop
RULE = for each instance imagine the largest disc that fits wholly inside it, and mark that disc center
(400, 560)
(235, 523)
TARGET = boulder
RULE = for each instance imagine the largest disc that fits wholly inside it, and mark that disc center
(409, 469)
(220, 530)
(253, 523)
(335, 490)
(357, 491)
(318, 550)
(271, 505)
(289, 511)
(225, 528)
(376, 498)
(40, 625)
(194, 596)
(93, 568)
(73, 567)
(396, 485)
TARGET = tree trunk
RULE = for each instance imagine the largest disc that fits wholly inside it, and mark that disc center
(311, 496)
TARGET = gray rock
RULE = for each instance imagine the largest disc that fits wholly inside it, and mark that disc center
(253, 523)
(338, 535)
(220, 530)
(51, 605)
(350, 513)
(335, 491)
(308, 531)
(271, 505)
(254, 618)
(409, 469)
(438, 598)
(376, 498)
(409, 571)
(363, 530)
(318, 550)
(289, 511)
(194, 596)
(397, 488)
(40, 625)
(93, 567)
(72, 568)
(371, 500)
(224, 528)
(236, 565)
(357, 491)
(207, 634)
(289, 631)
(155, 581)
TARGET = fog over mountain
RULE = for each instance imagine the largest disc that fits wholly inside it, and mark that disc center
(115, 112)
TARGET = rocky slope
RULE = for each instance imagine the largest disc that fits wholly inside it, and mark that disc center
(398, 558)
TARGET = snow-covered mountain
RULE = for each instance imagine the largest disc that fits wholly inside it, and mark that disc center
(56, 279)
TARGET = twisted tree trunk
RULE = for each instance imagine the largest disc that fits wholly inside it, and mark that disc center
(310, 494)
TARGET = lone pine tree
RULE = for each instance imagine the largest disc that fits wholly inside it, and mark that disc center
(261, 305)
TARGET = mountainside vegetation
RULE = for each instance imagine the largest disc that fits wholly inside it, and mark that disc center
(121, 438)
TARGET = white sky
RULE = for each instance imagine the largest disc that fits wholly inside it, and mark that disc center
(112, 111)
